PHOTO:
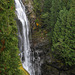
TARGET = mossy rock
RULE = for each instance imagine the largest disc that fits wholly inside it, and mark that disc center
(23, 71)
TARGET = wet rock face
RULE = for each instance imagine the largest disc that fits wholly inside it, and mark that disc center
(39, 49)
(19, 26)
(29, 8)
(40, 56)
(30, 13)
(38, 60)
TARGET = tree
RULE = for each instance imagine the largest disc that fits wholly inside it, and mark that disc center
(63, 37)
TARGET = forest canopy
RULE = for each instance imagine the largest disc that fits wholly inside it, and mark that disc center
(57, 18)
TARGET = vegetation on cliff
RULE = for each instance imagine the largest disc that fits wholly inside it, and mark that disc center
(56, 17)
(9, 59)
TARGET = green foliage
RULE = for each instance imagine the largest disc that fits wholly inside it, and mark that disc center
(37, 8)
(57, 18)
(9, 59)
(63, 37)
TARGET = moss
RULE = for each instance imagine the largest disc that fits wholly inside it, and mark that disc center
(23, 71)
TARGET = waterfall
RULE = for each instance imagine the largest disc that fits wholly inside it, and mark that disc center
(30, 63)
(24, 37)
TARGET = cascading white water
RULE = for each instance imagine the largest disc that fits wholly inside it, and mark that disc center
(24, 37)
(31, 60)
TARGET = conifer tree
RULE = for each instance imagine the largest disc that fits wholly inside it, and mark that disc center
(63, 37)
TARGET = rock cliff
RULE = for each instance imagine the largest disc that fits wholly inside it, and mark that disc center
(41, 48)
